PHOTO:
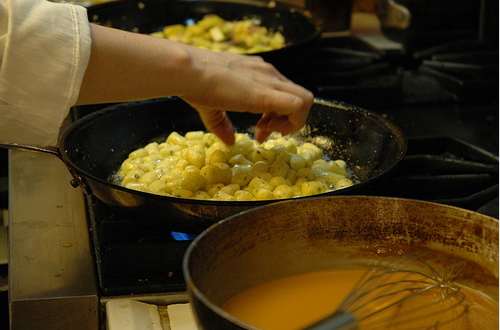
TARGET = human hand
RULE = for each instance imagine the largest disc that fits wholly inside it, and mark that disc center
(227, 82)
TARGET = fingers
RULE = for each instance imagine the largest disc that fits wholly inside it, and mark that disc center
(287, 87)
(269, 123)
(261, 131)
(264, 99)
(245, 84)
(218, 123)
(296, 118)
(280, 124)
(297, 112)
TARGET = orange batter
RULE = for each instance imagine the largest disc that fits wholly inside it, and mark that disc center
(297, 301)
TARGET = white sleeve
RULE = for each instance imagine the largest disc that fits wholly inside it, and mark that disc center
(44, 52)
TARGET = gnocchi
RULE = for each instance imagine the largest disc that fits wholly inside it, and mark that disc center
(199, 166)
(212, 32)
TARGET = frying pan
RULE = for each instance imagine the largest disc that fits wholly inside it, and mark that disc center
(149, 16)
(94, 147)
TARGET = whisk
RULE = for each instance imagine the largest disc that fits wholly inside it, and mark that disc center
(398, 297)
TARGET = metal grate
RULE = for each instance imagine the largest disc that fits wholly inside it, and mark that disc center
(468, 69)
(445, 170)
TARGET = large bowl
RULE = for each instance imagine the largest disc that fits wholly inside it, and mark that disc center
(288, 238)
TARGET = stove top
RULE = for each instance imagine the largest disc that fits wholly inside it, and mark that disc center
(444, 98)
(137, 255)
(352, 70)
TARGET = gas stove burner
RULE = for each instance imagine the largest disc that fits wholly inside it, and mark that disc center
(448, 171)
(342, 68)
(349, 69)
(334, 56)
(135, 253)
(468, 69)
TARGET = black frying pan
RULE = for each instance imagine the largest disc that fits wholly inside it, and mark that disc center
(147, 16)
(94, 147)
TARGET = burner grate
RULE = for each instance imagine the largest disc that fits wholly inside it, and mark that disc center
(343, 67)
(445, 170)
(468, 69)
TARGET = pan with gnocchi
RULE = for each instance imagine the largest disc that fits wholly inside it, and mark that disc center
(198, 165)
(212, 32)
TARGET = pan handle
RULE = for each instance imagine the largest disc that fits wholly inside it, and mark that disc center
(48, 150)
(77, 180)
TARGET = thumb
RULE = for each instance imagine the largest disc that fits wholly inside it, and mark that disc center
(218, 123)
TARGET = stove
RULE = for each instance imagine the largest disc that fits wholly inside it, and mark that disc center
(443, 97)
(451, 155)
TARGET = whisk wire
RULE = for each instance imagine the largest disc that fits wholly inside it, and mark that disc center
(353, 294)
(395, 303)
(365, 288)
(386, 288)
(399, 319)
(398, 292)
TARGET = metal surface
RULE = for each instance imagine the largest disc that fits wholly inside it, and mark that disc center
(51, 273)
(340, 321)
(48, 150)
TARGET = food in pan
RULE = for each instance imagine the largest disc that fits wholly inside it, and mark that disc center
(212, 32)
(198, 165)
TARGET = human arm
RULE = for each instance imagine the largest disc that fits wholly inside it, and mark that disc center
(129, 66)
